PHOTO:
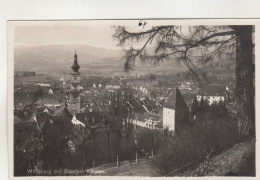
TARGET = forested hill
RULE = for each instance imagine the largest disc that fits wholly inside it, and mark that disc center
(59, 57)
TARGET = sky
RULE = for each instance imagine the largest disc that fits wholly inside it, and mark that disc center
(94, 33)
(101, 37)
(98, 33)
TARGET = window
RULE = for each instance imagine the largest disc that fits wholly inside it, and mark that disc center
(75, 86)
(75, 96)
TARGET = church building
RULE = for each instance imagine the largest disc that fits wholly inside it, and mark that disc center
(75, 86)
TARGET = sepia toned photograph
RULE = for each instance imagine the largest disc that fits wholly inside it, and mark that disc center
(153, 98)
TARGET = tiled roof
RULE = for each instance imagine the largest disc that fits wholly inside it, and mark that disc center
(154, 117)
(113, 83)
(20, 114)
(171, 103)
(48, 99)
(212, 90)
(20, 100)
(62, 111)
(17, 120)
(42, 119)
(137, 106)
(81, 117)
(43, 116)
(139, 117)
(176, 100)
(30, 120)
(159, 124)
(188, 97)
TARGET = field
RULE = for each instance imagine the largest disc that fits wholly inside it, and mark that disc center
(30, 79)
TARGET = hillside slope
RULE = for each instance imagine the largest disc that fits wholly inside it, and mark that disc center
(237, 161)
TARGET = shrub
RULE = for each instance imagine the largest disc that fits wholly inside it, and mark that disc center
(195, 142)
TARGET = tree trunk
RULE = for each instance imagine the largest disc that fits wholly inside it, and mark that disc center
(93, 148)
(85, 156)
(117, 162)
(108, 145)
(52, 168)
(245, 90)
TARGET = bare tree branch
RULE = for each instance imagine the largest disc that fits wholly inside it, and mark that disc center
(173, 42)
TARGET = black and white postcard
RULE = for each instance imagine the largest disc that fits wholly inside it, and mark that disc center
(152, 98)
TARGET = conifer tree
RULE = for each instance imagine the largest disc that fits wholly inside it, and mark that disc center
(171, 43)
(194, 106)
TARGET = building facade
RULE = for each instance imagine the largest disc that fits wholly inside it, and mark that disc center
(212, 93)
(175, 112)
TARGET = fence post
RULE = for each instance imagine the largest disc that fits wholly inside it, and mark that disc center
(117, 164)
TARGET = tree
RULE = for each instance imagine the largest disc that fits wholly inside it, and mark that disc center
(37, 94)
(107, 125)
(93, 130)
(115, 117)
(54, 147)
(121, 113)
(222, 108)
(194, 106)
(152, 77)
(206, 105)
(194, 45)
(214, 109)
(201, 106)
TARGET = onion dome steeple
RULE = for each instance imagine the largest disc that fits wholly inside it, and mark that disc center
(75, 67)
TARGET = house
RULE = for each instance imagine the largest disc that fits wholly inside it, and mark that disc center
(24, 74)
(143, 89)
(143, 105)
(113, 86)
(50, 92)
(79, 119)
(147, 120)
(175, 111)
(24, 130)
(49, 101)
(212, 93)
(42, 84)
(20, 100)
(92, 114)
(185, 85)
(62, 120)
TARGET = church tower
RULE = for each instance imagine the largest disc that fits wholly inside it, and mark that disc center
(75, 86)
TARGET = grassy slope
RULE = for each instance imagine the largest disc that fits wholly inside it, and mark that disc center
(239, 160)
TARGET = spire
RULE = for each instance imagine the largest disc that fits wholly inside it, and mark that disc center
(75, 65)
(75, 56)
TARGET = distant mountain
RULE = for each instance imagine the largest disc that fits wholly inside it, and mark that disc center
(59, 56)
